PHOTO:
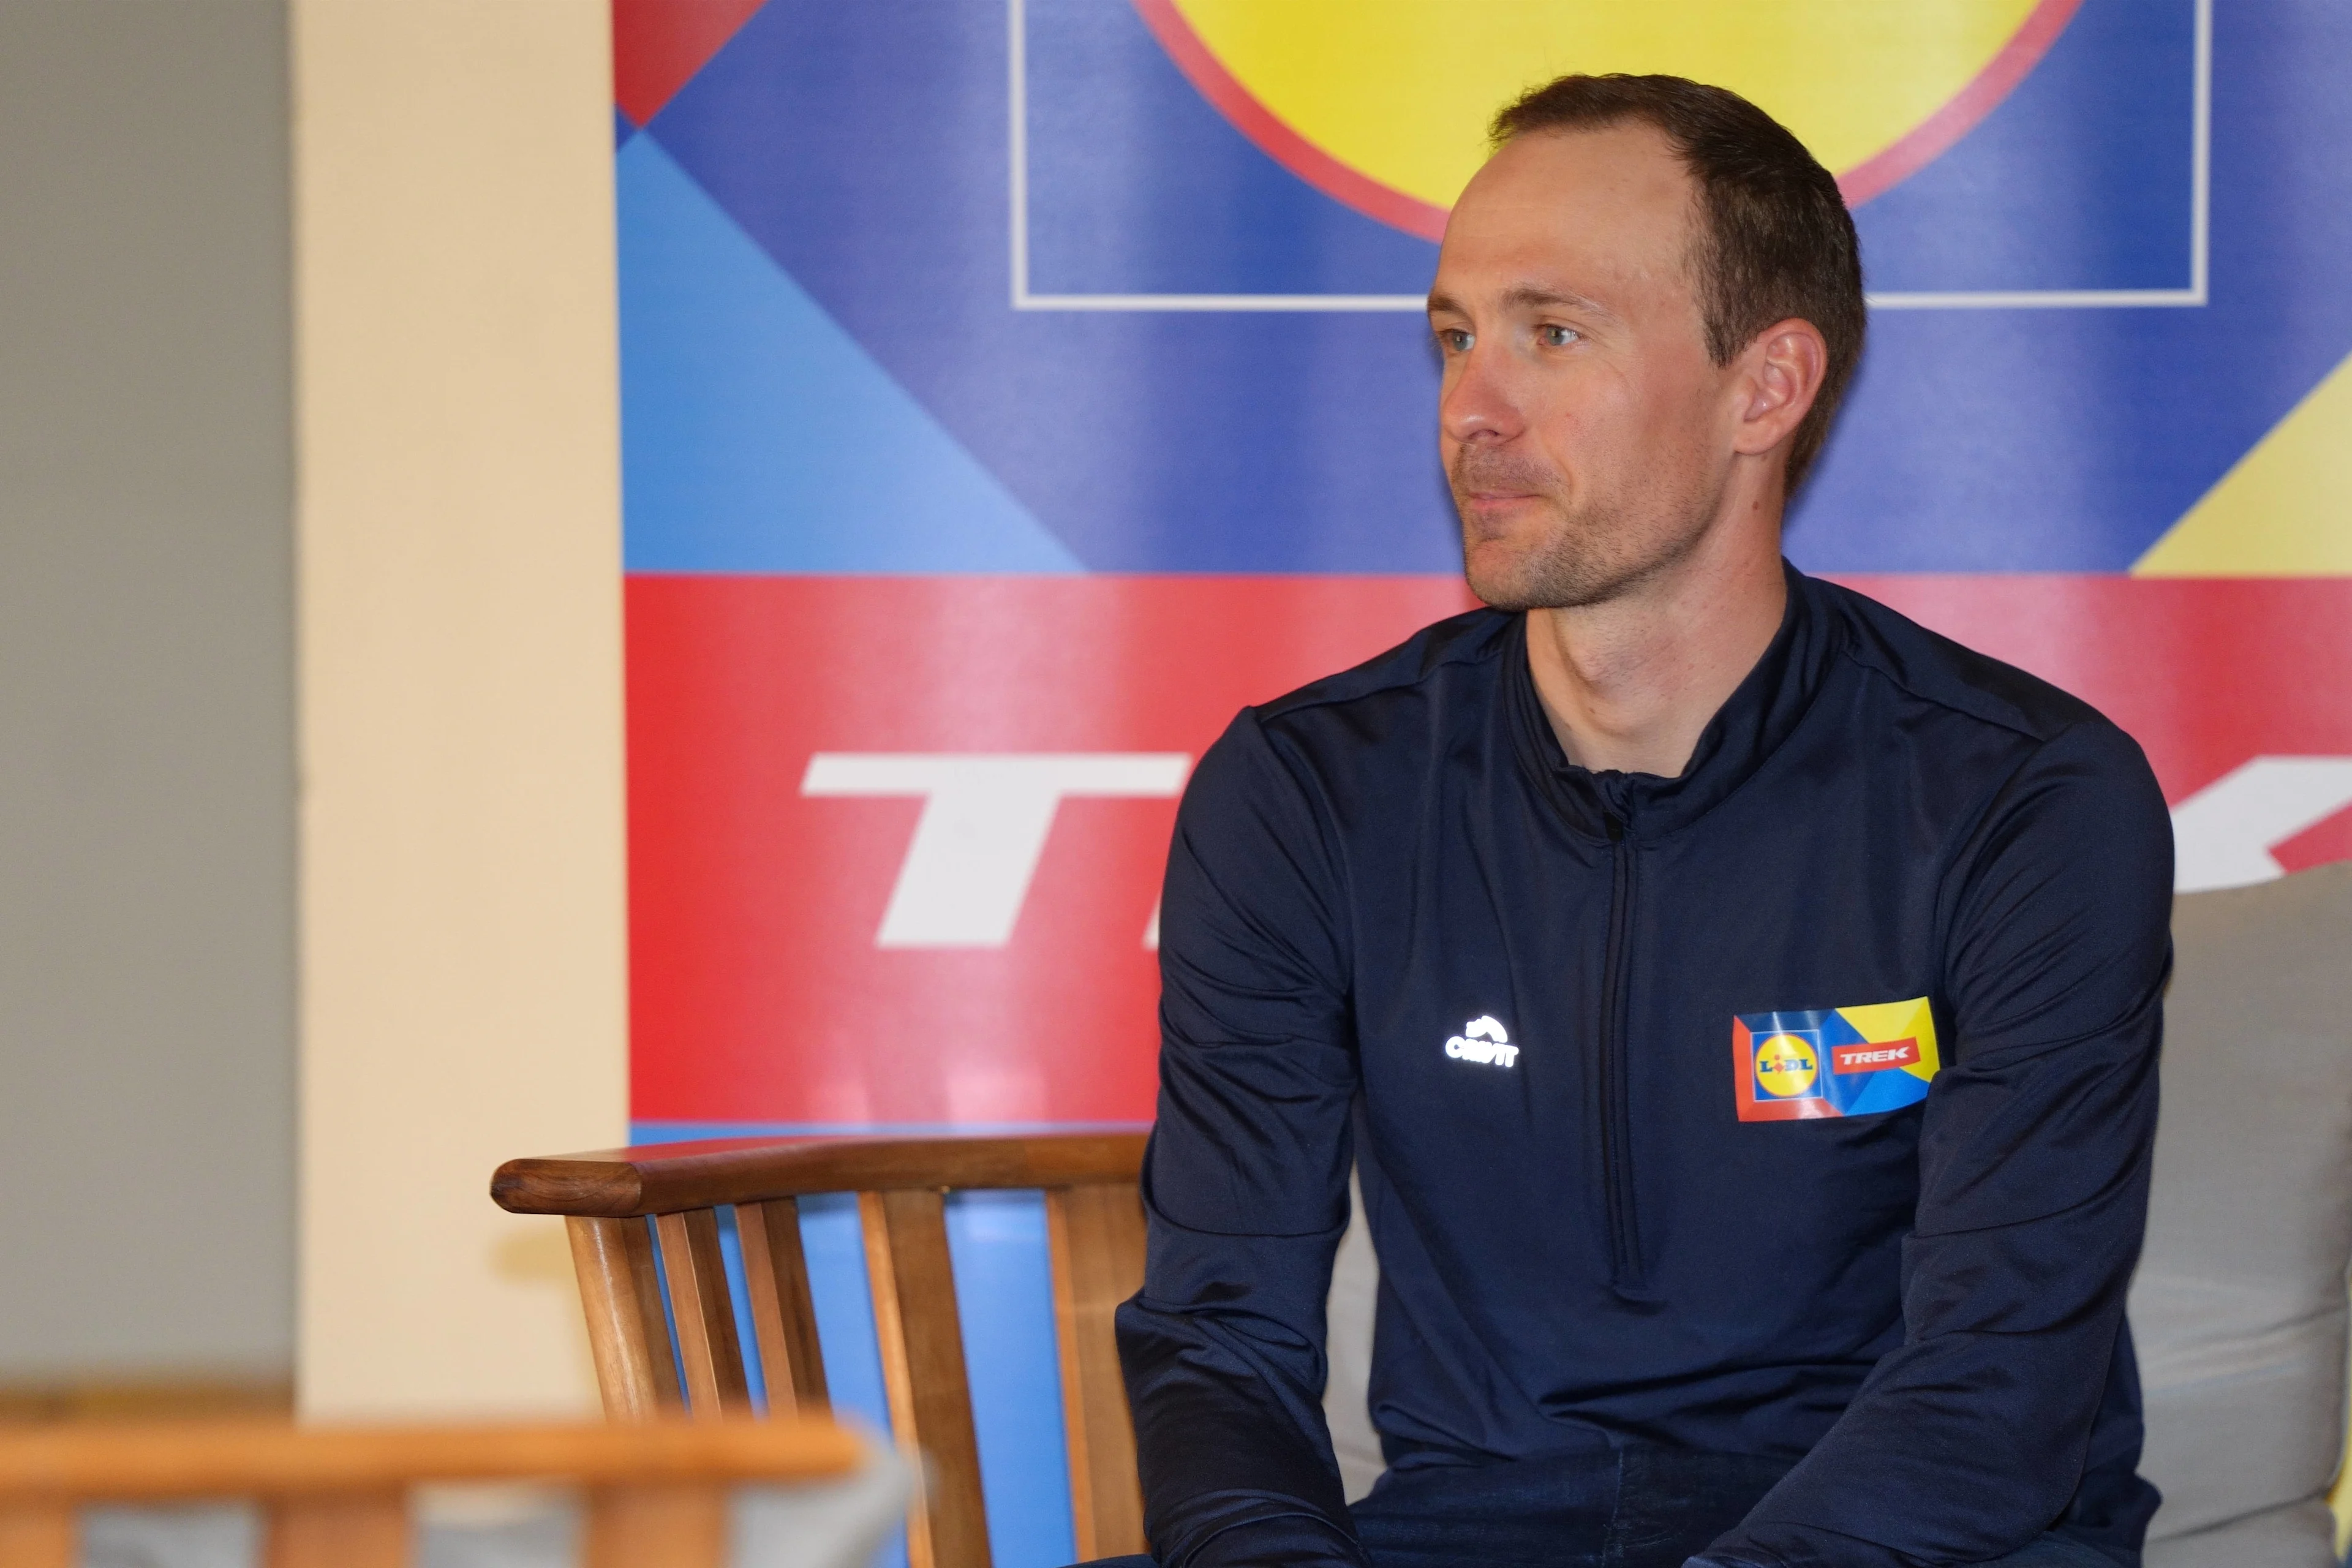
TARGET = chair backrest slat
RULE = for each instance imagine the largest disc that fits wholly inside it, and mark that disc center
(783, 1317)
(627, 1334)
(677, 1525)
(703, 1313)
(922, 1341)
(38, 1532)
(361, 1530)
(1096, 1234)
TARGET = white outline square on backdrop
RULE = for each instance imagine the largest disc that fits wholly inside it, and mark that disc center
(2201, 133)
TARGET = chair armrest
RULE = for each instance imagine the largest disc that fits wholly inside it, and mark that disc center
(667, 1178)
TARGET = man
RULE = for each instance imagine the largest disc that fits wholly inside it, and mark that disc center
(1741, 1004)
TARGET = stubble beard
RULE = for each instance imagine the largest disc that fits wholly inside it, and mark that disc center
(1595, 549)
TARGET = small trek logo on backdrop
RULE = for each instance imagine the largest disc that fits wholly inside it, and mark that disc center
(1483, 1039)
(1839, 1061)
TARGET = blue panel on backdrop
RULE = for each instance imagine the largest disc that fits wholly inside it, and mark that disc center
(758, 437)
(1143, 441)
(1136, 186)
(2083, 178)
(2109, 423)
(1004, 1290)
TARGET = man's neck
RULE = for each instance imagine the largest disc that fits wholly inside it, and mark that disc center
(1630, 684)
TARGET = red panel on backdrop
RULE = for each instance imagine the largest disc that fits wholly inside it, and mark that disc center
(768, 986)
(760, 990)
(659, 45)
(2206, 672)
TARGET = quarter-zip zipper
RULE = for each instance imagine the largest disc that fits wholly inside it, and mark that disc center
(1616, 1112)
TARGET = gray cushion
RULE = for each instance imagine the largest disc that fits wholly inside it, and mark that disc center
(1347, 1346)
(2295, 1536)
(2239, 1307)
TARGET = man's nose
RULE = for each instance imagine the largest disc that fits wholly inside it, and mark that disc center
(1478, 403)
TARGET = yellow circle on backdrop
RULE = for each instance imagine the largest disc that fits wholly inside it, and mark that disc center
(1786, 1065)
(1402, 91)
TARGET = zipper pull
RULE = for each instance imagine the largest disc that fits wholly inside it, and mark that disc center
(1616, 826)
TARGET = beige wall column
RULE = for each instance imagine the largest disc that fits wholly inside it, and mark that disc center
(459, 629)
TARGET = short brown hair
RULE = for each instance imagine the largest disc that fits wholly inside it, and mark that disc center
(1778, 241)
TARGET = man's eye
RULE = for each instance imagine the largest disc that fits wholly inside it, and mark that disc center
(1556, 337)
(1454, 339)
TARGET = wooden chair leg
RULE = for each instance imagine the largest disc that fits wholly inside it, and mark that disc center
(627, 1334)
(366, 1531)
(38, 1535)
(676, 1526)
(1096, 1234)
(921, 1339)
(698, 1303)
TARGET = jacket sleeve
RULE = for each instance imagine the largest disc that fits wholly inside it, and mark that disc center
(1972, 1437)
(1245, 1186)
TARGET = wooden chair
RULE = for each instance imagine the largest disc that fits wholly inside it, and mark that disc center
(625, 1207)
(338, 1497)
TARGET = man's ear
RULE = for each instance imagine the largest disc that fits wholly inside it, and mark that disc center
(1780, 377)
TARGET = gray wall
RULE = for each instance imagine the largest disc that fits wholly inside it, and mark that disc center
(146, 697)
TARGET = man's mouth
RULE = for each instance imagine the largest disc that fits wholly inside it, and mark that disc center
(1494, 484)
(1493, 511)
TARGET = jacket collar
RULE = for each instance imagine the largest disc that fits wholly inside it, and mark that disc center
(1753, 721)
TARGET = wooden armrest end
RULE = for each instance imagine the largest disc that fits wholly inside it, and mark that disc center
(667, 1178)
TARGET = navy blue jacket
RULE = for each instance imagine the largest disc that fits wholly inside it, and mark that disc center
(1798, 1106)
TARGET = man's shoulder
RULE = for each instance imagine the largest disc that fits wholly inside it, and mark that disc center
(1929, 668)
(1452, 655)
(2070, 766)
(1279, 764)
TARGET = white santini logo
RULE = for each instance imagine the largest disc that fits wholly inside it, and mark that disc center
(1483, 1040)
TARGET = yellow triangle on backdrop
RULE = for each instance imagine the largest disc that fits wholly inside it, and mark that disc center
(2284, 511)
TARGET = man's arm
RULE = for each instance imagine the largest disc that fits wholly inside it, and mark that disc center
(1245, 1183)
(1970, 1438)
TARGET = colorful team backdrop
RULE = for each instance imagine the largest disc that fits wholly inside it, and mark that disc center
(1012, 389)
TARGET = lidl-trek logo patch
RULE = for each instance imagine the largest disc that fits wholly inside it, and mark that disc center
(1845, 1061)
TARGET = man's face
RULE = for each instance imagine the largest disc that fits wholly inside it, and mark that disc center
(1586, 433)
